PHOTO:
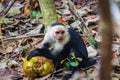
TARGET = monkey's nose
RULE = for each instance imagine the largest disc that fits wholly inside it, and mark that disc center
(60, 37)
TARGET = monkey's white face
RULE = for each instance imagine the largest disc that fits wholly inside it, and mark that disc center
(59, 34)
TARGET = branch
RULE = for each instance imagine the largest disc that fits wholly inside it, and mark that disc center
(72, 8)
(106, 24)
(1, 38)
(24, 36)
(5, 11)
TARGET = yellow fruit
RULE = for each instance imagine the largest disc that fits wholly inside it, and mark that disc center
(38, 66)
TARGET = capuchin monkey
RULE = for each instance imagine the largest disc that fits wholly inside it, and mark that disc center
(60, 41)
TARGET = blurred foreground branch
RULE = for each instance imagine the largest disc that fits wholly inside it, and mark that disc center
(106, 23)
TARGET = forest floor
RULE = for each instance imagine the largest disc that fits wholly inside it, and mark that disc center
(22, 29)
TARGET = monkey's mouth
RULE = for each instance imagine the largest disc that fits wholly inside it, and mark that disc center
(60, 39)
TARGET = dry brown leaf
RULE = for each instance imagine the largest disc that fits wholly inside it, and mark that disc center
(21, 72)
(62, 21)
(27, 11)
(35, 3)
(91, 17)
(93, 27)
(114, 55)
(85, 40)
(9, 49)
(2, 1)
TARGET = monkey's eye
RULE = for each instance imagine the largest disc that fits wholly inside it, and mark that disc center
(60, 32)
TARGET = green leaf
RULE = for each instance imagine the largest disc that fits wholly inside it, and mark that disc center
(6, 20)
(75, 64)
(52, 44)
(90, 71)
(64, 61)
(92, 41)
(79, 59)
(26, 46)
(61, 62)
(36, 14)
(1, 19)
(67, 65)
(73, 55)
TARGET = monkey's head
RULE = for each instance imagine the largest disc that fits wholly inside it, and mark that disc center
(59, 31)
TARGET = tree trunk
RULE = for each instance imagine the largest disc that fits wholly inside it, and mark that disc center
(106, 23)
(48, 11)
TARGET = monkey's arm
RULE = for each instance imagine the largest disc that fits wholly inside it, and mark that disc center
(77, 44)
(40, 52)
(44, 51)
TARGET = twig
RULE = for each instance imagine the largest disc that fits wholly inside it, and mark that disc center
(3, 46)
(24, 36)
(93, 2)
(72, 8)
(5, 11)
(85, 3)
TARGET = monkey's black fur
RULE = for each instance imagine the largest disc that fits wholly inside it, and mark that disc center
(40, 52)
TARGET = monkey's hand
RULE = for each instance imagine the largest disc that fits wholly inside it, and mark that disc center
(40, 52)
